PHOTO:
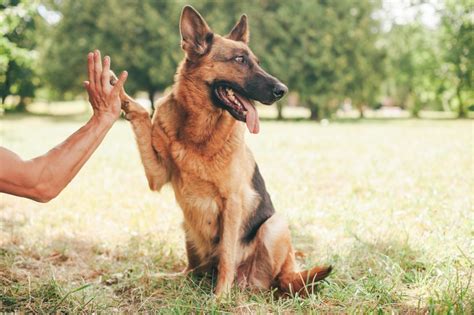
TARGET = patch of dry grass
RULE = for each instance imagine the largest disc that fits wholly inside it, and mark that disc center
(389, 204)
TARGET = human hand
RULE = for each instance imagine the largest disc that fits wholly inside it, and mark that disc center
(103, 97)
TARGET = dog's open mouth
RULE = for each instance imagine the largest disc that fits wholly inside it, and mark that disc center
(239, 106)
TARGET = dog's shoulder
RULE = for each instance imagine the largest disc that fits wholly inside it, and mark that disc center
(165, 105)
(167, 114)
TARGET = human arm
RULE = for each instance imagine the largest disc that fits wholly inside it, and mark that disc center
(44, 177)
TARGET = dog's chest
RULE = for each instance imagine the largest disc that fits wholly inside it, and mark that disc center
(213, 168)
(201, 205)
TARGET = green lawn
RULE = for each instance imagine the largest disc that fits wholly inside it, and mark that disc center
(387, 203)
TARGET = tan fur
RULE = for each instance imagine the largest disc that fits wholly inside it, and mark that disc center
(200, 149)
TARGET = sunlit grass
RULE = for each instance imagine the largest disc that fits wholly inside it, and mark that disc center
(388, 204)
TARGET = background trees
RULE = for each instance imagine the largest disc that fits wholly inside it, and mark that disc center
(416, 79)
(326, 51)
(457, 33)
(141, 36)
(17, 54)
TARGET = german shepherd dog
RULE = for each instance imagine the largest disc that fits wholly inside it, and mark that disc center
(195, 140)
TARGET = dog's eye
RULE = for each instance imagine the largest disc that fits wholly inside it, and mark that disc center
(240, 59)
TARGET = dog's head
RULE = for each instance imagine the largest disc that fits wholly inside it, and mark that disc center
(228, 67)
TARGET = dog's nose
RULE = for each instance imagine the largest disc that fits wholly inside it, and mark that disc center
(279, 90)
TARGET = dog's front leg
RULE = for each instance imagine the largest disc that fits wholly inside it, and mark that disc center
(154, 162)
(230, 226)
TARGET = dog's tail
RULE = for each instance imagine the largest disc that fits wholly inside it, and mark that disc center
(294, 282)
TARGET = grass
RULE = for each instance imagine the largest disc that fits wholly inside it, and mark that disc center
(387, 203)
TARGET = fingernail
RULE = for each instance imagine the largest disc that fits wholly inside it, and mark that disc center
(90, 54)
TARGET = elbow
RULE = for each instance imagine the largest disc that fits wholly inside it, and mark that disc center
(39, 182)
(43, 199)
(155, 183)
(154, 186)
(45, 194)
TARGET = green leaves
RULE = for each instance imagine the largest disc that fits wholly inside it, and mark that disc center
(17, 54)
(326, 51)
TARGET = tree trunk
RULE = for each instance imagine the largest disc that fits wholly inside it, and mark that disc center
(151, 97)
(361, 111)
(280, 110)
(314, 112)
(21, 107)
(461, 111)
(6, 84)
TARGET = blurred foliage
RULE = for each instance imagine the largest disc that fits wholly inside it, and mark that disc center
(413, 61)
(17, 54)
(325, 51)
(457, 33)
(433, 67)
(140, 36)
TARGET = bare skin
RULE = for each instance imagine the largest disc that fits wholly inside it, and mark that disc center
(44, 177)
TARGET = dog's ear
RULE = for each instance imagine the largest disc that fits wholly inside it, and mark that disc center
(196, 36)
(240, 32)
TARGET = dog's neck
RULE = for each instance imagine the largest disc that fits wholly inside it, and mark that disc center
(201, 116)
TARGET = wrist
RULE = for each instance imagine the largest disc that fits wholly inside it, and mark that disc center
(106, 119)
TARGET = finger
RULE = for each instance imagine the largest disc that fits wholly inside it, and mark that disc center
(90, 91)
(97, 70)
(121, 81)
(90, 68)
(106, 74)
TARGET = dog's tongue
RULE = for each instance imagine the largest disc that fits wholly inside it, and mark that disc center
(252, 120)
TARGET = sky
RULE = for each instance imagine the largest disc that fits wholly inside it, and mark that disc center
(403, 12)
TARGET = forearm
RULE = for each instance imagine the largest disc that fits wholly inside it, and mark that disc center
(58, 167)
(44, 177)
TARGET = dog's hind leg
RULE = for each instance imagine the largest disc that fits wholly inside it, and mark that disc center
(274, 262)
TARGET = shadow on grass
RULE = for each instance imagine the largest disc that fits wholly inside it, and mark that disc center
(389, 274)
(73, 275)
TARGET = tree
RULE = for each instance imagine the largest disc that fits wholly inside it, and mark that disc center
(415, 68)
(365, 55)
(140, 36)
(433, 67)
(323, 50)
(17, 54)
(458, 37)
